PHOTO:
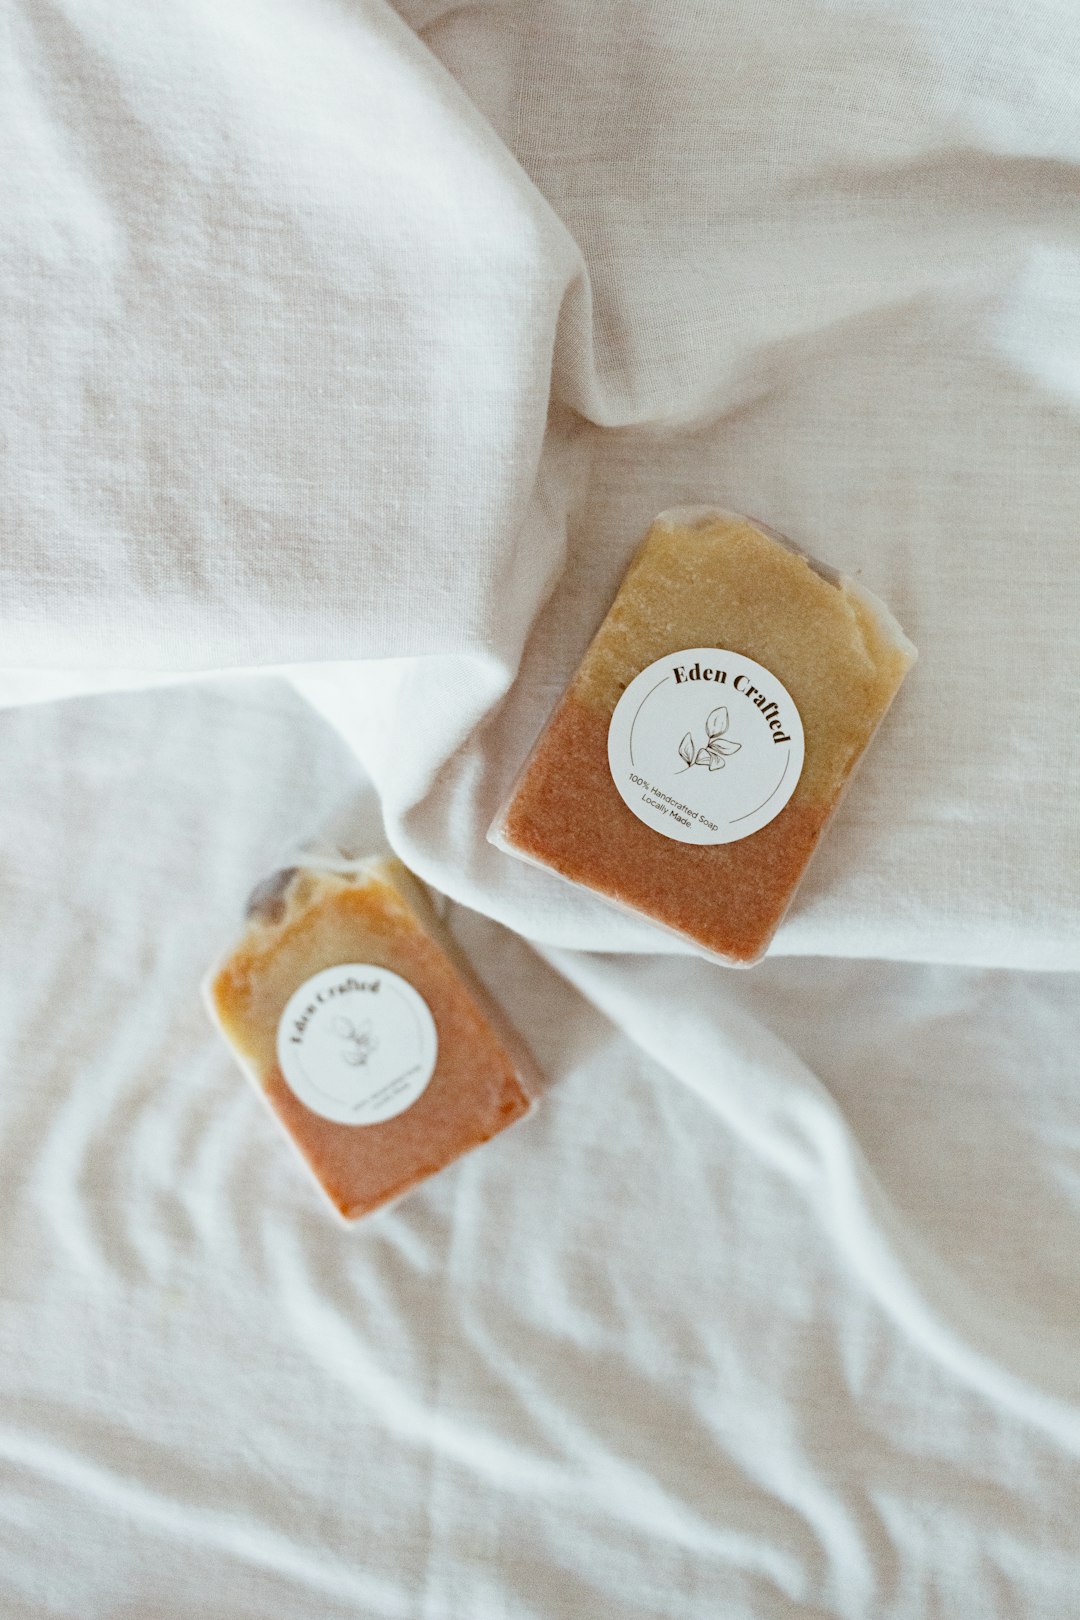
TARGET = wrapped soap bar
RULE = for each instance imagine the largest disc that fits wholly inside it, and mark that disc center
(363, 1028)
(692, 765)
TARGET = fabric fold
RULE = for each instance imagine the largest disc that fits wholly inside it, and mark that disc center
(332, 344)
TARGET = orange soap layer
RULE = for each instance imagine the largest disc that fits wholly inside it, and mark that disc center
(571, 818)
(375, 914)
(710, 579)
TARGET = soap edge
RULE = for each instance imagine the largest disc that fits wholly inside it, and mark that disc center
(414, 893)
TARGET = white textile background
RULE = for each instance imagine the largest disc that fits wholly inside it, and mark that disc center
(768, 1311)
(360, 346)
(316, 351)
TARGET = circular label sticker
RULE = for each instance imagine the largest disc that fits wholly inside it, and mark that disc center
(705, 746)
(357, 1044)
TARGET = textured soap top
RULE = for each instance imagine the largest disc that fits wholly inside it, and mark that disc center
(717, 608)
(364, 1030)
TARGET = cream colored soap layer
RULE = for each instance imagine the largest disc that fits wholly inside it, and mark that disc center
(724, 583)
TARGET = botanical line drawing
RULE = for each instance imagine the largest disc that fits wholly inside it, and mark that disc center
(716, 744)
(361, 1041)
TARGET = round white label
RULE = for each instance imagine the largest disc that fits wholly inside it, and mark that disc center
(705, 746)
(357, 1044)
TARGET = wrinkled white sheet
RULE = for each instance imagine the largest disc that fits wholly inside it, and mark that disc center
(360, 347)
(317, 351)
(769, 1310)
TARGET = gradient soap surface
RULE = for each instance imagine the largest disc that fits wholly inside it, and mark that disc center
(361, 1025)
(716, 719)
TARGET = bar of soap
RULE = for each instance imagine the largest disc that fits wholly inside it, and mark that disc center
(363, 1028)
(691, 766)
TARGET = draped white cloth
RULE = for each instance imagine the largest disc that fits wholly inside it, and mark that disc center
(357, 347)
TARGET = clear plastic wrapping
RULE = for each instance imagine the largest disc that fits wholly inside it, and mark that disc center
(704, 743)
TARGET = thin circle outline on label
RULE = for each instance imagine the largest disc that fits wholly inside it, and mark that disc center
(641, 705)
(759, 710)
(357, 1073)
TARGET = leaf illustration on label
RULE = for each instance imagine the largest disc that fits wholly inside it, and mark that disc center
(360, 1042)
(713, 755)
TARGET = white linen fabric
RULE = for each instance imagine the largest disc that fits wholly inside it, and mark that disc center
(358, 347)
(320, 352)
(768, 1311)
